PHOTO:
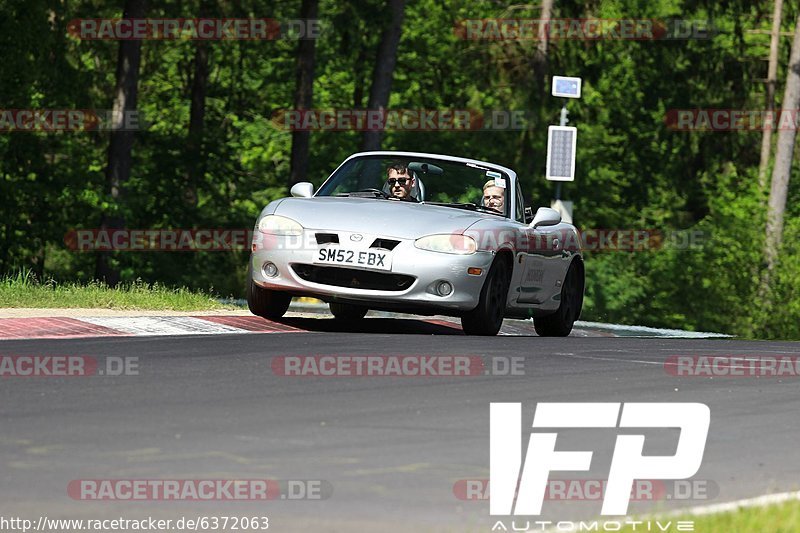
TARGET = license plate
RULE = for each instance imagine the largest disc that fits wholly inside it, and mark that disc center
(371, 259)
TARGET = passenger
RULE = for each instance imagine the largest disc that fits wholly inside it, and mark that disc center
(494, 197)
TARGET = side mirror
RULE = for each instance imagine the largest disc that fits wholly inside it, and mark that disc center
(545, 217)
(303, 189)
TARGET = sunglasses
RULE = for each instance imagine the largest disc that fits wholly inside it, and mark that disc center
(401, 181)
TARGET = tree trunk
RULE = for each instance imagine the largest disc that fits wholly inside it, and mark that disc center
(358, 86)
(384, 70)
(197, 114)
(536, 99)
(121, 143)
(540, 56)
(772, 74)
(303, 96)
(783, 156)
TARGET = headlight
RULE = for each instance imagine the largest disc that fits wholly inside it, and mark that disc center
(449, 244)
(278, 225)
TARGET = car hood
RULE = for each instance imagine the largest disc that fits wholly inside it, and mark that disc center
(390, 218)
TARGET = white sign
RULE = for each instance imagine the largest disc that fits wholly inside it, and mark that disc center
(566, 87)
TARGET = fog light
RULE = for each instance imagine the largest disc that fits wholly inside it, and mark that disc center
(270, 270)
(444, 288)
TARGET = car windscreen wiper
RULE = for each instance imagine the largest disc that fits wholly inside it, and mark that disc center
(364, 193)
(468, 206)
(457, 205)
(484, 209)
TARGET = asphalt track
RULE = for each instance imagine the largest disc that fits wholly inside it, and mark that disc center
(390, 448)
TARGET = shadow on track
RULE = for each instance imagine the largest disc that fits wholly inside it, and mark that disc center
(374, 325)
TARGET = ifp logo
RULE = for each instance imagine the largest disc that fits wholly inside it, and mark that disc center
(627, 463)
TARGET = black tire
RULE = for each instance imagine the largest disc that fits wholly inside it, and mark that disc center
(560, 323)
(487, 318)
(347, 311)
(266, 303)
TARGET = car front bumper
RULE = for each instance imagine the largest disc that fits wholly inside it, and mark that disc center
(410, 284)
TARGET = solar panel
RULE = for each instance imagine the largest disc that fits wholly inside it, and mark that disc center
(561, 142)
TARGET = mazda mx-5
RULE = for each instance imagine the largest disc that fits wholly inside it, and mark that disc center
(418, 233)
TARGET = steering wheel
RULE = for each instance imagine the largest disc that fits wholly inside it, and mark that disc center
(385, 195)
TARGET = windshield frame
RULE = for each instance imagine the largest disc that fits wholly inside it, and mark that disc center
(508, 174)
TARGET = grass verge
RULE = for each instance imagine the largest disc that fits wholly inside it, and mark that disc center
(23, 290)
(778, 518)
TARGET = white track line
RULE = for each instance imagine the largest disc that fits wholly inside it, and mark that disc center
(703, 510)
(615, 359)
(758, 501)
(661, 332)
(163, 325)
(666, 363)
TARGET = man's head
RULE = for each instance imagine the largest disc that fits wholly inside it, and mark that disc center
(400, 181)
(494, 197)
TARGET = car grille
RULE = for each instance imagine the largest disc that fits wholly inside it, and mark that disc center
(333, 238)
(353, 278)
(386, 244)
(325, 238)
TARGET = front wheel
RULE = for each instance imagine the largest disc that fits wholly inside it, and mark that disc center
(487, 318)
(560, 323)
(347, 311)
(266, 303)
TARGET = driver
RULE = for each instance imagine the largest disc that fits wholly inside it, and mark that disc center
(494, 197)
(400, 182)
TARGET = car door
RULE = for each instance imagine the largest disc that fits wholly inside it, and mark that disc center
(542, 270)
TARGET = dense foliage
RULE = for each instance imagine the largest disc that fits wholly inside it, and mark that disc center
(633, 171)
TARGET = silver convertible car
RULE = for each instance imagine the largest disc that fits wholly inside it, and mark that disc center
(418, 233)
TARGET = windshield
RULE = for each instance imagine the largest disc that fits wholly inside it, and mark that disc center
(420, 179)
